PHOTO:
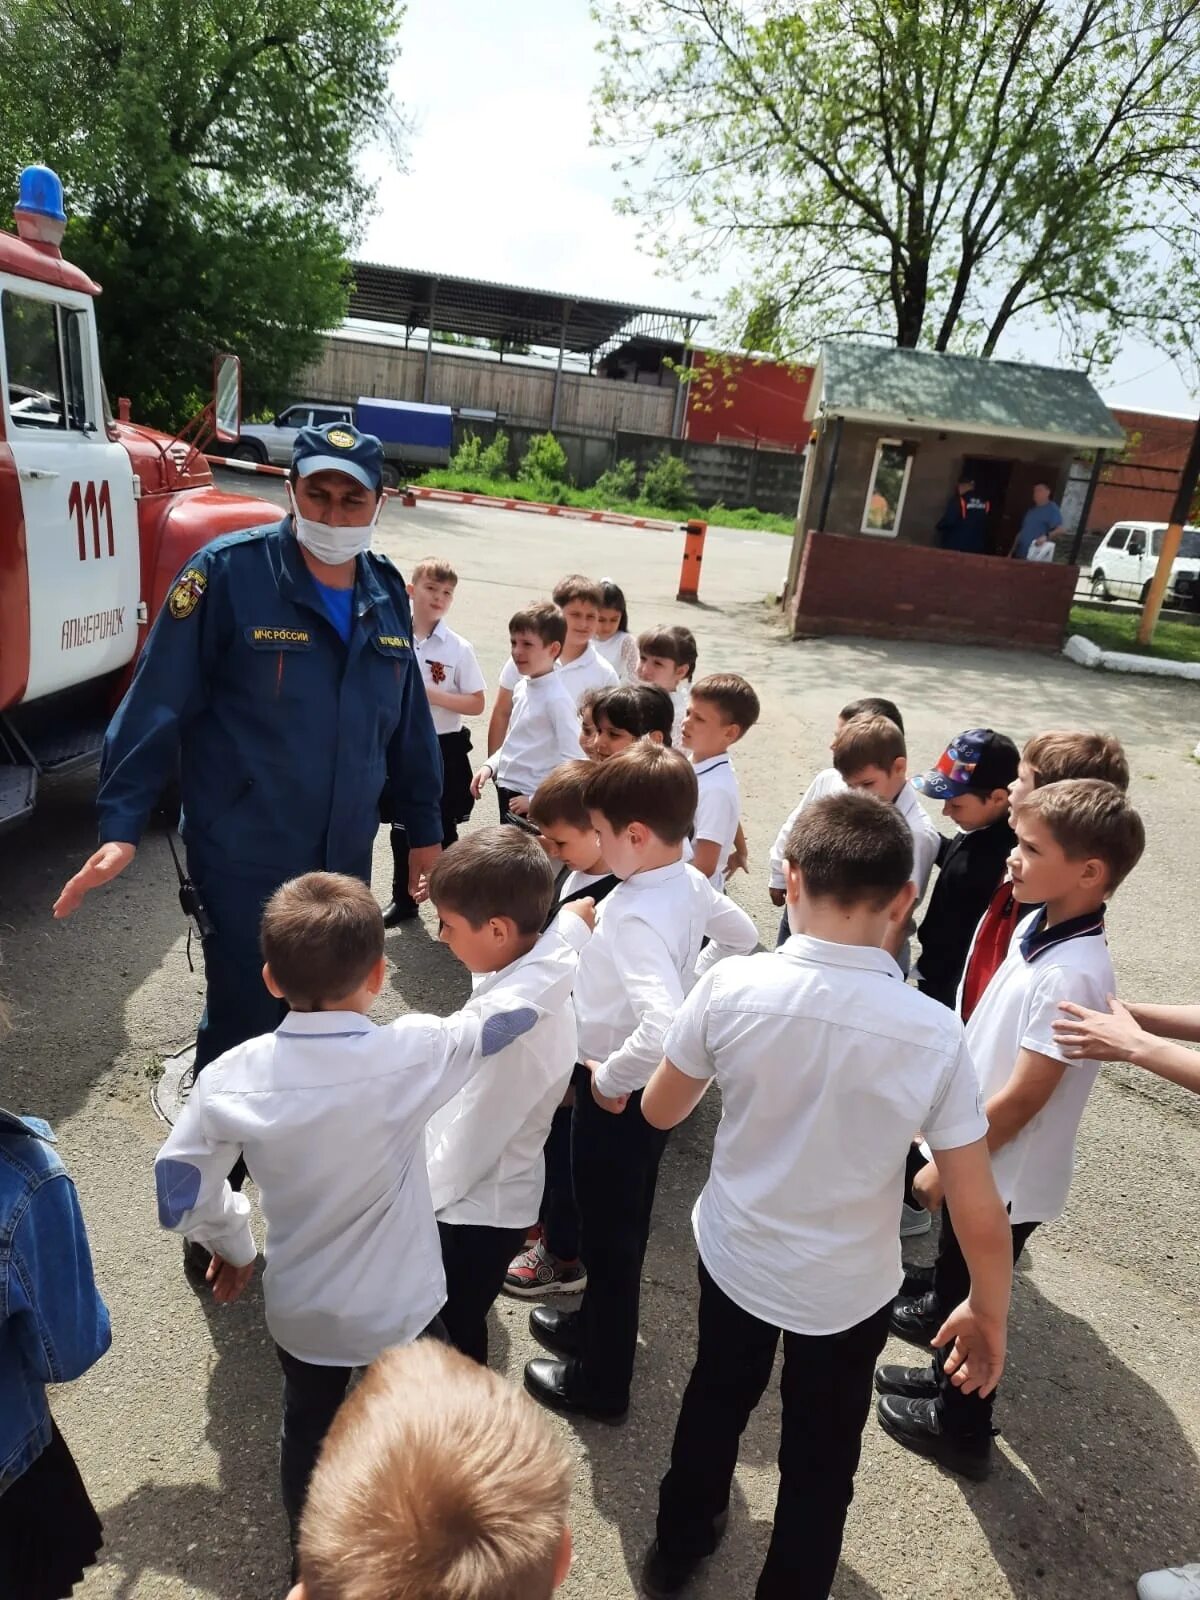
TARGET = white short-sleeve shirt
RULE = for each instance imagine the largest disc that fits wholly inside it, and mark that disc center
(448, 662)
(1016, 1012)
(718, 809)
(588, 671)
(826, 1063)
(543, 732)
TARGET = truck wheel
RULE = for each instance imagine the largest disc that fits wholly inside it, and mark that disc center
(245, 451)
(1099, 587)
(391, 476)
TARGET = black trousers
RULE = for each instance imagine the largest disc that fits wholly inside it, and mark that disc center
(399, 841)
(967, 1415)
(615, 1161)
(504, 798)
(311, 1397)
(826, 1392)
(560, 1214)
(475, 1258)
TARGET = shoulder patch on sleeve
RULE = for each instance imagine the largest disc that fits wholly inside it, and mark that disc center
(501, 1030)
(186, 593)
(178, 1186)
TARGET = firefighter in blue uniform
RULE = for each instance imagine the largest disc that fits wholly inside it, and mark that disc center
(280, 675)
(964, 523)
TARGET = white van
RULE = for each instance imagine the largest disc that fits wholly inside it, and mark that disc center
(1127, 555)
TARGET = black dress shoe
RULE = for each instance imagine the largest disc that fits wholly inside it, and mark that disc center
(918, 1426)
(916, 1321)
(913, 1383)
(398, 911)
(663, 1575)
(555, 1330)
(558, 1386)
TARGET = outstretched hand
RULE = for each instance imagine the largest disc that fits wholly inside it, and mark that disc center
(1110, 1035)
(98, 869)
(975, 1363)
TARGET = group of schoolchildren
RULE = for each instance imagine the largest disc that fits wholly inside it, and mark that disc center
(410, 1173)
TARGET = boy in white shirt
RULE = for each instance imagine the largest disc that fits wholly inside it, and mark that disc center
(667, 659)
(493, 891)
(544, 728)
(722, 708)
(1076, 841)
(633, 975)
(828, 781)
(550, 1261)
(329, 1112)
(581, 664)
(826, 1061)
(454, 686)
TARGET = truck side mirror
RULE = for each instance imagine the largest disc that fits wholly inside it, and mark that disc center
(227, 398)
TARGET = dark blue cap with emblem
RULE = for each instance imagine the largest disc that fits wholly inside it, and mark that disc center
(339, 447)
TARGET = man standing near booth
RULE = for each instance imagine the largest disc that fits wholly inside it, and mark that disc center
(1040, 526)
(964, 523)
(280, 675)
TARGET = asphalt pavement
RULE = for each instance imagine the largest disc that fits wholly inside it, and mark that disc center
(1097, 1476)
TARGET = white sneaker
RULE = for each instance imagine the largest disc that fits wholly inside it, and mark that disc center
(1171, 1583)
(914, 1220)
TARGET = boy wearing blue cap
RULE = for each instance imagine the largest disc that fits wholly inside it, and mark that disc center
(971, 778)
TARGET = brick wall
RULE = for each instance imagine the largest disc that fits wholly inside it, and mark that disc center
(887, 589)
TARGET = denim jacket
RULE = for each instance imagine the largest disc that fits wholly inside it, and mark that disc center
(53, 1323)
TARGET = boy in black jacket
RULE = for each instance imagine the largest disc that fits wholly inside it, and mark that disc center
(972, 777)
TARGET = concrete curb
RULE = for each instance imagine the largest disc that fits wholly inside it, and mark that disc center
(1087, 654)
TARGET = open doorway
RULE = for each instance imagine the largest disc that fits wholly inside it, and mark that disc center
(991, 476)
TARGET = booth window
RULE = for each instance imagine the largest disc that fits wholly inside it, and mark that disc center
(887, 488)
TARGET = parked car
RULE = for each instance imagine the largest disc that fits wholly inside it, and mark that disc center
(1127, 556)
(272, 441)
(414, 436)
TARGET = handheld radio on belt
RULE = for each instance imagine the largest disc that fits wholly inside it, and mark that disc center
(190, 903)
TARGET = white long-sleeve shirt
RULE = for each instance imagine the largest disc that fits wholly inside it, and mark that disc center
(330, 1112)
(640, 963)
(925, 837)
(543, 732)
(484, 1147)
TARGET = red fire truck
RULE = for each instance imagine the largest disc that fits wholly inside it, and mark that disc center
(96, 515)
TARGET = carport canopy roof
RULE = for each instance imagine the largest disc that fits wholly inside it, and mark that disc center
(482, 310)
(891, 387)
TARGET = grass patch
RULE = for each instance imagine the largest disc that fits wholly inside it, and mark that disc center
(589, 500)
(1173, 641)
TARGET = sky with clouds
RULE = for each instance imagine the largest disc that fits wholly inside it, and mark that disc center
(502, 181)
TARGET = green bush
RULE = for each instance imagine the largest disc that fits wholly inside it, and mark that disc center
(618, 483)
(467, 457)
(544, 461)
(493, 462)
(668, 483)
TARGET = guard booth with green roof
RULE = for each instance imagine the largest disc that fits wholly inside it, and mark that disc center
(894, 431)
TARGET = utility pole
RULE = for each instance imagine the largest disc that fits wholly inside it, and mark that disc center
(1171, 542)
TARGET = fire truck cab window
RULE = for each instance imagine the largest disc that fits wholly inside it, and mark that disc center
(44, 348)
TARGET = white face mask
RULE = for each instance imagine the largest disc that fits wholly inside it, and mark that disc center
(332, 545)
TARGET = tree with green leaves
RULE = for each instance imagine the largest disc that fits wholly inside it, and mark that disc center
(208, 149)
(932, 172)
